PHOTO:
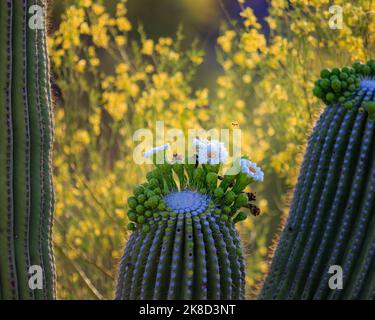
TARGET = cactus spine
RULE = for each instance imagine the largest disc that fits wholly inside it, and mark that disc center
(332, 216)
(184, 244)
(26, 194)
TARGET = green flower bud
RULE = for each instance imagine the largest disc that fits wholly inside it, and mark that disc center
(241, 216)
(157, 191)
(138, 190)
(325, 73)
(156, 215)
(211, 178)
(132, 202)
(366, 70)
(330, 97)
(343, 76)
(140, 209)
(141, 219)
(336, 85)
(161, 205)
(351, 80)
(370, 107)
(224, 217)
(154, 201)
(342, 99)
(141, 198)
(150, 194)
(154, 183)
(318, 92)
(325, 84)
(148, 214)
(348, 105)
(218, 193)
(146, 228)
(227, 209)
(132, 216)
(336, 71)
(229, 197)
(131, 226)
(242, 200)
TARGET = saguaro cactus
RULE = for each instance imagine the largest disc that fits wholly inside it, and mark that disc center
(26, 195)
(184, 244)
(332, 217)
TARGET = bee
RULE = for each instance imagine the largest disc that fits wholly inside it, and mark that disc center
(235, 124)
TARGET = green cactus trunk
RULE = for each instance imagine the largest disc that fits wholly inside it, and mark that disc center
(26, 193)
(184, 243)
(184, 256)
(332, 216)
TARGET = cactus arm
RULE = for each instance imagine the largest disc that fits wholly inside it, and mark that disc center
(23, 135)
(295, 217)
(350, 210)
(326, 241)
(332, 215)
(353, 214)
(8, 277)
(44, 91)
(319, 205)
(365, 229)
(36, 159)
(21, 178)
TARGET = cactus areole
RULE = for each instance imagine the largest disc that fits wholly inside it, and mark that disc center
(184, 244)
(26, 196)
(327, 247)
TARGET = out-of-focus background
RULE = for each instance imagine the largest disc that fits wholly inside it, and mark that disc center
(118, 66)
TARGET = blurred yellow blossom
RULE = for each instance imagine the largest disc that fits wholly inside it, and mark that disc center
(81, 65)
(148, 47)
(123, 24)
(225, 41)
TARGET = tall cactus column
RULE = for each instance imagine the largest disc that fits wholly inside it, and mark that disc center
(26, 194)
(332, 217)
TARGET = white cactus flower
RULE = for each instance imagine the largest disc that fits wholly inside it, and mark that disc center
(252, 170)
(155, 150)
(211, 152)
